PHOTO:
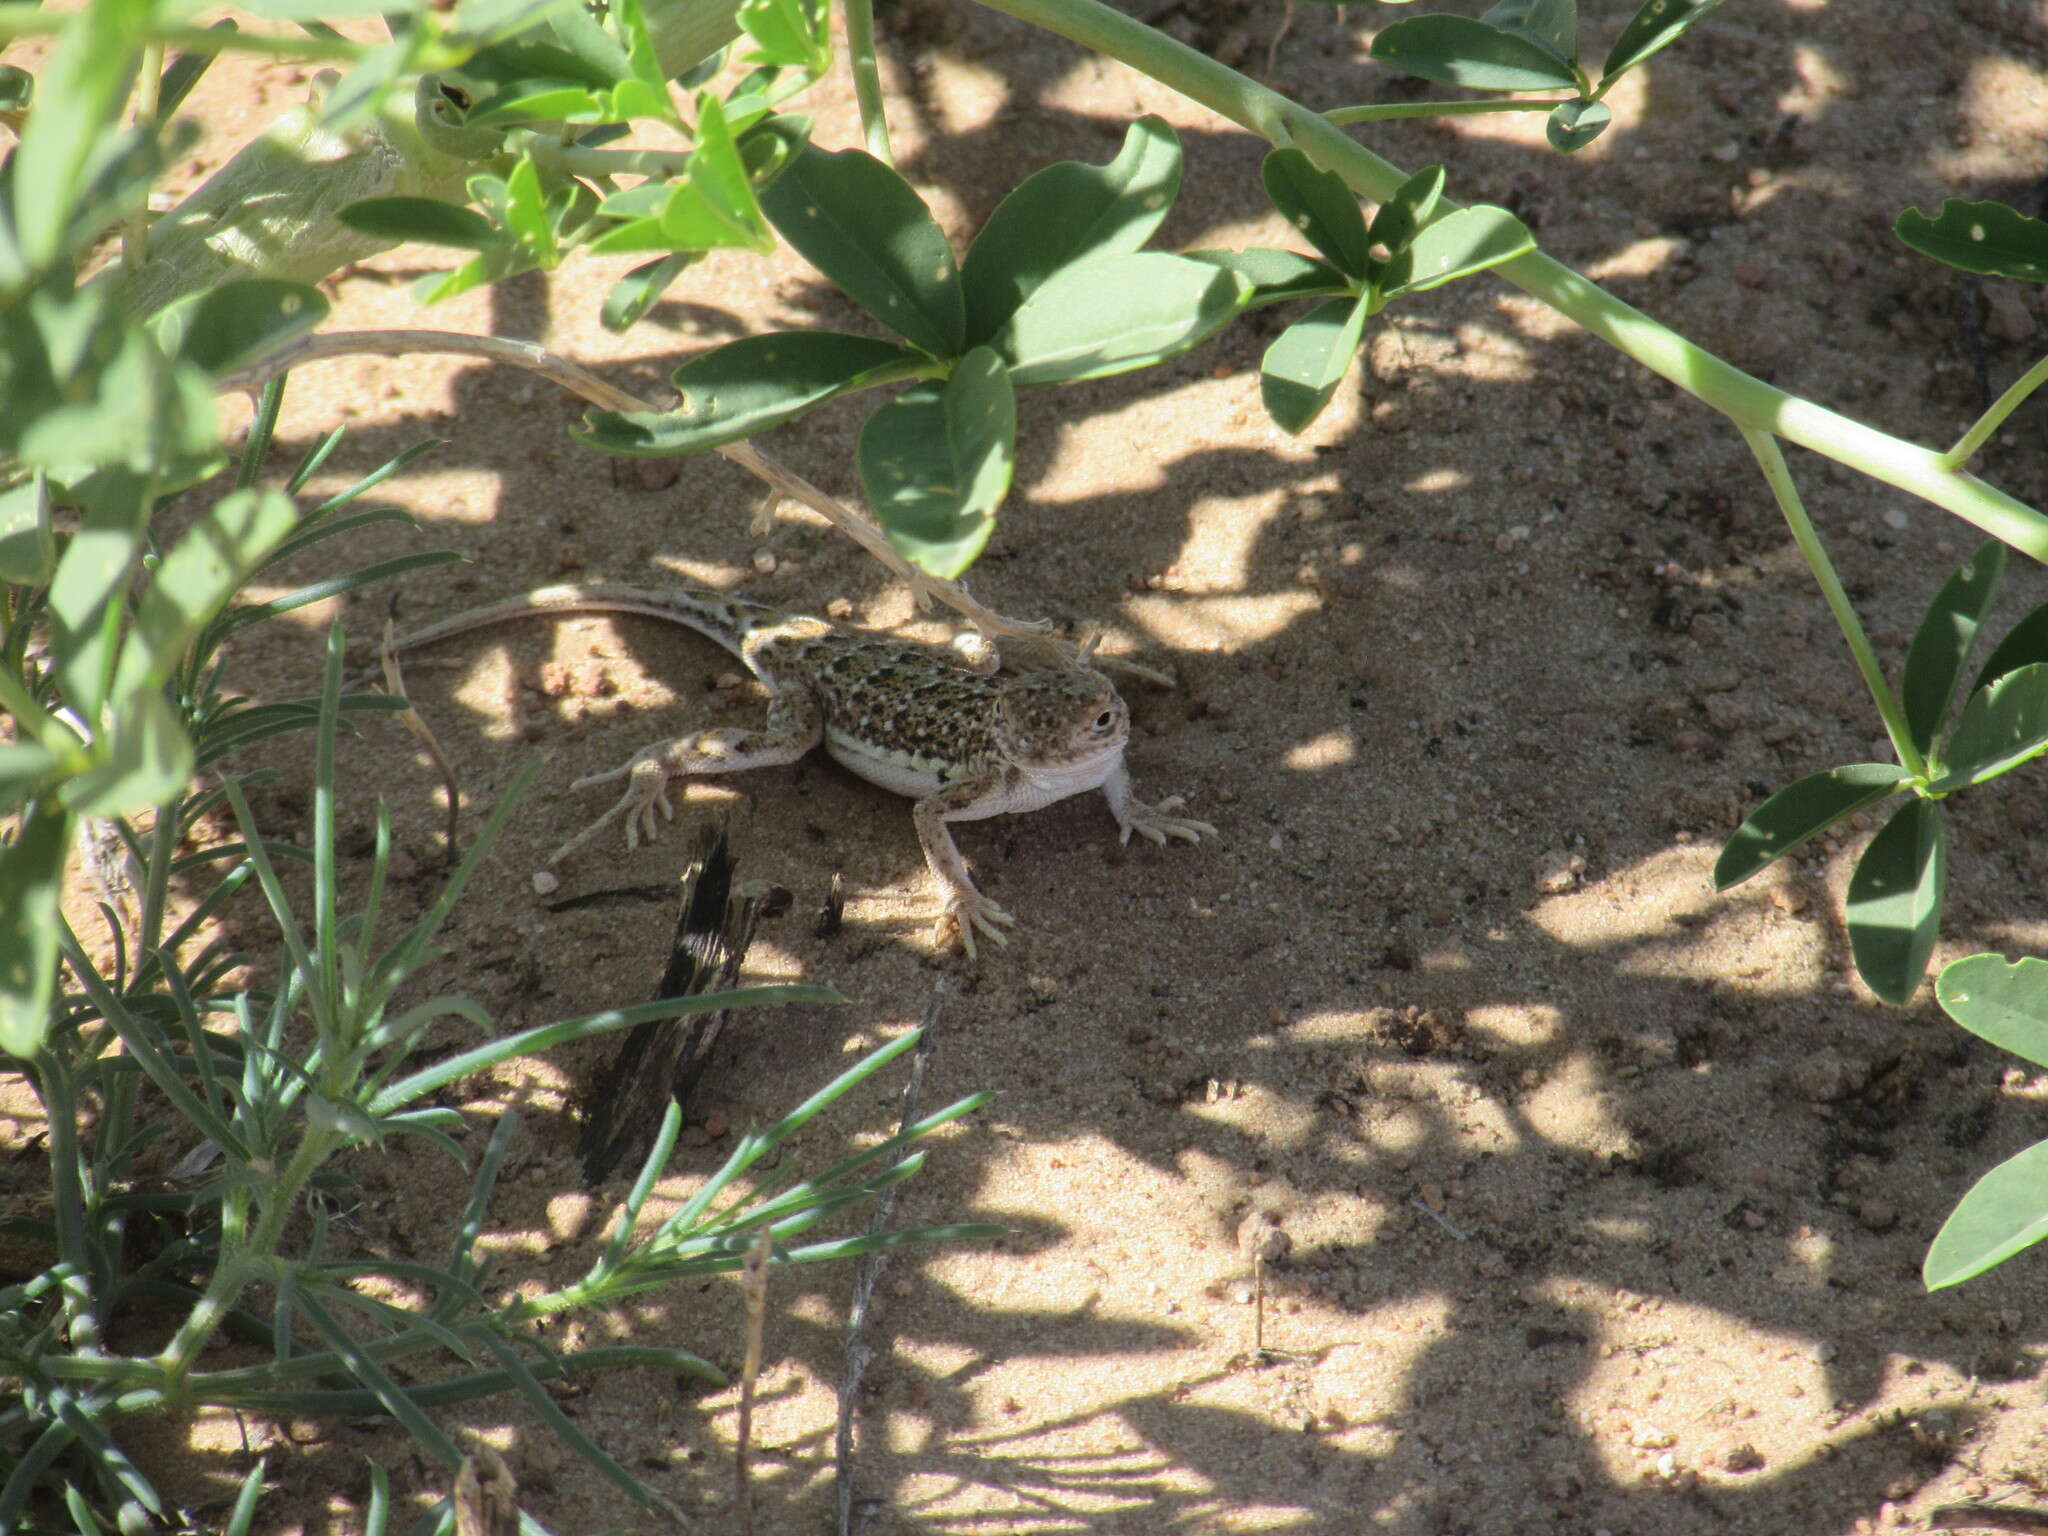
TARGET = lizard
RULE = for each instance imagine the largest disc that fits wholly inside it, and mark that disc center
(961, 740)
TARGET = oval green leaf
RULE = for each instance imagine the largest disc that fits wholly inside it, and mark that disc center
(427, 220)
(31, 884)
(935, 463)
(1947, 634)
(2024, 643)
(1552, 25)
(1798, 811)
(861, 225)
(1979, 237)
(243, 319)
(2004, 1004)
(1066, 214)
(2003, 725)
(1576, 124)
(1308, 360)
(1115, 314)
(1276, 275)
(745, 387)
(1457, 245)
(1320, 206)
(1895, 896)
(641, 289)
(1394, 226)
(1456, 50)
(2005, 1211)
(1656, 25)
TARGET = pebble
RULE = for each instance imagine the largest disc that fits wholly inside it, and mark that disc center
(1650, 1437)
(764, 561)
(1558, 871)
(1260, 1236)
(1877, 1215)
(546, 882)
(1742, 1458)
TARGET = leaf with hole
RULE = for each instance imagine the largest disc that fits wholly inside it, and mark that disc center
(1065, 214)
(1895, 897)
(1572, 125)
(1118, 313)
(1320, 206)
(1455, 50)
(1308, 360)
(1947, 635)
(935, 463)
(2006, 1004)
(747, 386)
(2004, 724)
(1457, 245)
(1656, 25)
(2003, 1213)
(1799, 811)
(1987, 238)
(858, 222)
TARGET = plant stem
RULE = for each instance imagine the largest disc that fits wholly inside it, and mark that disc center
(149, 79)
(1968, 444)
(867, 78)
(1746, 401)
(1389, 111)
(1772, 461)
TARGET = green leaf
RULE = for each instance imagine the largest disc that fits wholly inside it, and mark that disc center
(861, 225)
(2004, 1212)
(184, 73)
(1979, 237)
(2026, 641)
(1798, 811)
(645, 94)
(1320, 206)
(784, 32)
(745, 387)
(526, 214)
(84, 610)
(1065, 214)
(2003, 725)
(935, 463)
(1552, 25)
(1457, 245)
(1118, 313)
(427, 220)
(641, 289)
(195, 581)
(1656, 24)
(143, 758)
(1277, 275)
(1575, 124)
(17, 88)
(538, 101)
(31, 886)
(81, 95)
(719, 180)
(2005, 1004)
(1947, 634)
(1457, 51)
(1400, 216)
(1308, 360)
(1895, 895)
(28, 546)
(240, 320)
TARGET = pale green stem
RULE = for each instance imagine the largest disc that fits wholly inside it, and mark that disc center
(1779, 474)
(1968, 444)
(149, 79)
(1746, 401)
(608, 162)
(867, 78)
(1392, 110)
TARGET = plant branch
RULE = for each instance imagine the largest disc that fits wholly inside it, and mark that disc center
(1772, 461)
(1745, 400)
(1980, 433)
(1389, 111)
(867, 78)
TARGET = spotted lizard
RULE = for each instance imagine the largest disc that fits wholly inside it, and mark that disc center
(962, 740)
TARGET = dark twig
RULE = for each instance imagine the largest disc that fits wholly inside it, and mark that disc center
(857, 1352)
(415, 722)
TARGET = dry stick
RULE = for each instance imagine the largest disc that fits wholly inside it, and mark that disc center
(1032, 637)
(414, 721)
(1988, 1517)
(857, 1352)
(754, 1285)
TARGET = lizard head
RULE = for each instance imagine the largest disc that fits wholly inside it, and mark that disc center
(1061, 720)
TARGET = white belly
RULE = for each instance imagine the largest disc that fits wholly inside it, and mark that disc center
(905, 773)
(902, 773)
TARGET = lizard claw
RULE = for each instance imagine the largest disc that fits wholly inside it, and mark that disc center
(1154, 822)
(646, 793)
(968, 910)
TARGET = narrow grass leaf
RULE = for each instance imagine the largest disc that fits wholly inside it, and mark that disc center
(242, 616)
(551, 1414)
(1947, 634)
(859, 223)
(390, 1396)
(1987, 238)
(2003, 725)
(1306, 362)
(1455, 50)
(935, 463)
(1320, 206)
(108, 1459)
(2004, 1212)
(1065, 214)
(1895, 898)
(2006, 1004)
(1657, 24)
(1119, 313)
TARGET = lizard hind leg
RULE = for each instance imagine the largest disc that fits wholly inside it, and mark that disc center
(796, 724)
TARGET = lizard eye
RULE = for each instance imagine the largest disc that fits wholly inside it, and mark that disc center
(1105, 720)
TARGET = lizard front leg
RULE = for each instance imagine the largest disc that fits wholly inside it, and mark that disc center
(1134, 815)
(963, 800)
(796, 724)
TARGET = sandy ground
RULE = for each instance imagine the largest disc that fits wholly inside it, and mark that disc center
(1605, 1196)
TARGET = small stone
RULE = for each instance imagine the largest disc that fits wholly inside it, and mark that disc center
(546, 882)
(1241, 1293)
(1695, 744)
(839, 608)
(725, 682)
(764, 561)
(657, 474)
(1895, 519)
(1877, 1215)
(1742, 1458)
(1557, 871)
(1259, 1236)
(1788, 900)
(1651, 1437)
(717, 1123)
